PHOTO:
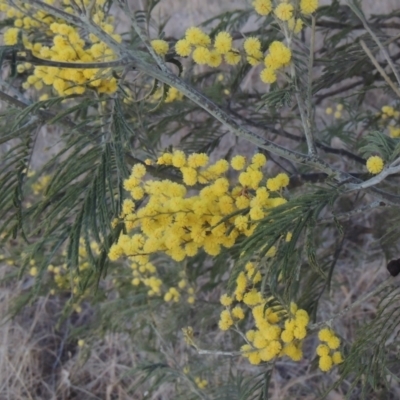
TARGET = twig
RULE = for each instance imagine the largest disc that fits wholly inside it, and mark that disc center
(310, 76)
(312, 150)
(219, 353)
(379, 68)
(352, 213)
(291, 136)
(342, 89)
(394, 168)
(142, 35)
(79, 65)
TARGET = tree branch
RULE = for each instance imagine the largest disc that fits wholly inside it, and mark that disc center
(394, 168)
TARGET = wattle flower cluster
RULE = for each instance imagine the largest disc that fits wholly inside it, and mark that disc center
(279, 56)
(146, 274)
(277, 332)
(66, 279)
(390, 117)
(179, 224)
(327, 350)
(68, 45)
(199, 45)
(286, 9)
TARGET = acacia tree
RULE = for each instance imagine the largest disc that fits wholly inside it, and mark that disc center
(178, 227)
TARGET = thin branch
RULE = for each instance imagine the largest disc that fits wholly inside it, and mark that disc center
(79, 65)
(291, 136)
(312, 151)
(142, 35)
(347, 215)
(394, 168)
(219, 353)
(310, 76)
(340, 25)
(379, 68)
(321, 97)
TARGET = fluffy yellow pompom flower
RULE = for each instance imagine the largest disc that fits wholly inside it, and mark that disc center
(197, 160)
(273, 185)
(254, 358)
(115, 252)
(241, 283)
(273, 332)
(241, 222)
(271, 351)
(300, 332)
(138, 171)
(256, 213)
(262, 7)
(137, 193)
(337, 357)
(268, 75)
(128, 206)
(322, 350)
(178, 158)
(215, 59)
(302, 318)
(160, 46)
(284, 11)
(282, 179)
(250, 335)
(308, 6)
(252, 298)
(258, 160)
(252, 60)
(279, 55)
(232, 57)
(225, 321)
(223, 42)
(189, 176)
(183, 48)
(325, 334)
(325, 363)
(293, 352)
(238, 163)
(238, 313)
(375, 165)
(201, 55)
(226, 300)
(295, 25)
(11, 36)
(333, 343)
(252, 46)
(287, 336)
(197, 37)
